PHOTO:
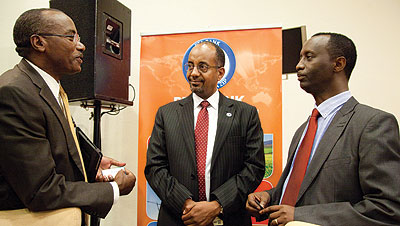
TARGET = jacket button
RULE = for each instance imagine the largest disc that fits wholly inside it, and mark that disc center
(192, 176)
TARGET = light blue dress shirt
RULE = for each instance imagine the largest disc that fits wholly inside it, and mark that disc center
(327, 111)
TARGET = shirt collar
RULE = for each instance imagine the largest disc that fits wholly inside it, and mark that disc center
(53, 84)
(213, 100)
(331, 104)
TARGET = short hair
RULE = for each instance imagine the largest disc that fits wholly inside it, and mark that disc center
(29, 23)
(340, 45)
(219, 53)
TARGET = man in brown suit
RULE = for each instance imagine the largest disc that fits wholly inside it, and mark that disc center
(40, 167)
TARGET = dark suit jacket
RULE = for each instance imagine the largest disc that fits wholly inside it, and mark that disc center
(353, 178)
(237, 165)
(40, 167)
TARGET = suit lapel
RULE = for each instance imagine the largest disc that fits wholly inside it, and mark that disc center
(286, 170)
(50, 100)
(226, 115)
(328, 141)
(295, 142)
(185, 113)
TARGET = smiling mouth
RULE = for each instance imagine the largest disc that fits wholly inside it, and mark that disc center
(80, 59)
(196, 83)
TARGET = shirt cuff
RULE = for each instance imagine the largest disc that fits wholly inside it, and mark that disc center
(116, 191)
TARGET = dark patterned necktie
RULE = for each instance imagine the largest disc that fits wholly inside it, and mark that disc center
(201, 138)
(301, 162)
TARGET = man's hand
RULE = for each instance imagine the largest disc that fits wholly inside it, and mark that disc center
(252, 207)
(200, 213)
(188, 205)
(279, 214)
(106, 163)
(126, 181)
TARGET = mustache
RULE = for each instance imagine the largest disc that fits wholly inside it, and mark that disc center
(198, 79)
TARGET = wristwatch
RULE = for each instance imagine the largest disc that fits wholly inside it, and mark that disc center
(221, 211)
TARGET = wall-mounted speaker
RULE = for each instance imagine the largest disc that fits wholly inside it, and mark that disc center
(105, 29)
(292, 42)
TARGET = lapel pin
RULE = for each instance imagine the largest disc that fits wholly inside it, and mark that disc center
(229, 114)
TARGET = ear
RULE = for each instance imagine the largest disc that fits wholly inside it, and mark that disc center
(340, 64)
(38, 43)
(221, 73)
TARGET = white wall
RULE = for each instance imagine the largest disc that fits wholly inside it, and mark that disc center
(372, 24)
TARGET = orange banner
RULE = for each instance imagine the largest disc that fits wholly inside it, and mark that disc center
(253, 75)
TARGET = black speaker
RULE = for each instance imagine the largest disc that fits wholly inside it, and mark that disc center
(292, 42)
(105, 29)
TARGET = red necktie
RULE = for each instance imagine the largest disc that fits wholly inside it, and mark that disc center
(201, 138)
(301, 162)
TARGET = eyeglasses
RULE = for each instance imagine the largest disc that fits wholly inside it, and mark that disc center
(75, 37)
(202, 67)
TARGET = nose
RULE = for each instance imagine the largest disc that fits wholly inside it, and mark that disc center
(80, 46)
(300, 65)
(195, 71)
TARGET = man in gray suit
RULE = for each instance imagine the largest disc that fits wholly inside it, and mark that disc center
(352, 177)
(40, 167)
(233, 164)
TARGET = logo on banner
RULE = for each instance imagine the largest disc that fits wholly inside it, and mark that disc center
(230, 60)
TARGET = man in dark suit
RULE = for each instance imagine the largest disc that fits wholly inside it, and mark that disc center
(195, 192)
(352, 177)
(40, 167)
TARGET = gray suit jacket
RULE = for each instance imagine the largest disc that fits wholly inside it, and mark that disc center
(237, 165)
(353, 178)
(40, 167)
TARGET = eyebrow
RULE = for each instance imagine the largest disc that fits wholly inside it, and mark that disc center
(201, 62)
(71, 31)
(306, 52)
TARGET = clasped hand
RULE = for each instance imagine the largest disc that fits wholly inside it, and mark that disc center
(200, 213)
